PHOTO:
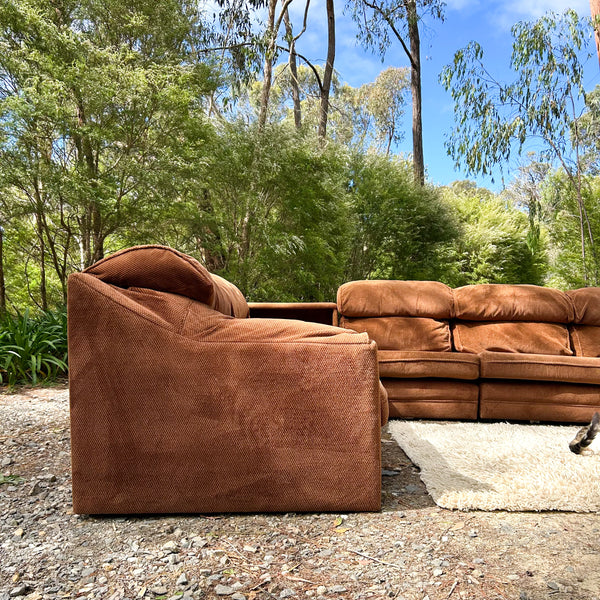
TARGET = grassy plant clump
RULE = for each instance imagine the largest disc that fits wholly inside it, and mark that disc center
(33, 348)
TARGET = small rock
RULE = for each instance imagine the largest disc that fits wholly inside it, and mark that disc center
(171, 546)
(321, 590)
(473, 533)
(159, 591)
(224, 590)
(477, 573)
(325, 553)
(478, 561)
(36, 489)
(438, 572)
(87, 572)
(389, 473)
(287, 593)
(182, 580)
(337, 589)
(238, 596)
(20, 590)
(6, 461)
(512, 577)
(18, 534)
(553, 585)
(252, 549)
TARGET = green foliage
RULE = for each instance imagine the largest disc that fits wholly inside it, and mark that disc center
(33, 348)
(495, 118)
(494, 244)
(560, 218)
(272, 216)
(400, 227)
(101, 118)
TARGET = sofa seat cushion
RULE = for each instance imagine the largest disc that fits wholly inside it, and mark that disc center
(503, 302)
(537, 367)
(516, 337)
(586, 340)
(447, 365)
(403, 333)
(383, 298)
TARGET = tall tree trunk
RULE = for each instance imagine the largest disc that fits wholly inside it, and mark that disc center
(268, 68)
(2, 285)
(415, 83)
(43, 286)
(293, 71)
(328, 72)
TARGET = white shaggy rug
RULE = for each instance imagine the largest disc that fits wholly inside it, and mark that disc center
(501, 466)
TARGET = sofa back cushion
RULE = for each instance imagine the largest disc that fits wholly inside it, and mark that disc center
(403, 333)
(522, 337)
(166, 270)
(503, 302)
(585, 332)
(399, 315)
(382, 298)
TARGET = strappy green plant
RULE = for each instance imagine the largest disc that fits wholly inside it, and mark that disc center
(33, 348)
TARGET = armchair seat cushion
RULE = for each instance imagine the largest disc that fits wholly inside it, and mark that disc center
(539, 367)
(446, 365)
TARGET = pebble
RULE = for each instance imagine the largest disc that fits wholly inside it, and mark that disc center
(224, 590)
(182, 580)
(337, 589)
(438, 572)
(287, 593)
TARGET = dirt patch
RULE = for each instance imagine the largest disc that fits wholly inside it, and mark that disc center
(411, 550)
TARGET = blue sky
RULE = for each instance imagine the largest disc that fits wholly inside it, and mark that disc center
(487, 22)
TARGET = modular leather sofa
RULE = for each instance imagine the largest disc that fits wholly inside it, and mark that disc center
(181, 404)
(514, 352)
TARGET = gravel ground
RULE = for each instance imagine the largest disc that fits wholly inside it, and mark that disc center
(412, 550)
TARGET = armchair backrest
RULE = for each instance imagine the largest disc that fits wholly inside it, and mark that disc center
(164, 269)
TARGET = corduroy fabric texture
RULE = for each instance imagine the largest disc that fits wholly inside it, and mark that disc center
(178, 408)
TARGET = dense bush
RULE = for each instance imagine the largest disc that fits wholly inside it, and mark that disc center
(33, 348)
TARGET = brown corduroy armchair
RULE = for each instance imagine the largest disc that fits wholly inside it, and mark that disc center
(181, 404)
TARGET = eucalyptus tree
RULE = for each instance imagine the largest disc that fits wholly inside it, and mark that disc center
(543, 103)
(378, 22)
